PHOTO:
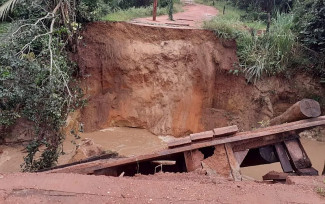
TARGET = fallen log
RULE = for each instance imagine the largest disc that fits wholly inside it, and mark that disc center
(306, 108)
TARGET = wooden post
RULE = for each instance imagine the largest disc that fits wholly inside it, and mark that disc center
(154, 13)
(234, 165)
(283, 157)
(297, 154)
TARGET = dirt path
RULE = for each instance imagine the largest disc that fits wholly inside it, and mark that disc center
(164, 188)
(192, 17)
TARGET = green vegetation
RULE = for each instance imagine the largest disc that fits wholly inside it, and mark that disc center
(133, 12)
(288, 45)
(138, 12)
(36, 75)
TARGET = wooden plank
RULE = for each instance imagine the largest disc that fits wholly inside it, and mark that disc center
(87, 168)
(218, 163)
(201, 135)
(193, 160)
(283, 157)
(307, 172)
(179, 142)
(297, 154)
(240, 156)
(164, 162)
(225, 130)
(234, 166)
(278, 176)
(260, 142)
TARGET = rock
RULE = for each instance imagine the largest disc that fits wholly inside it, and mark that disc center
(87, 149)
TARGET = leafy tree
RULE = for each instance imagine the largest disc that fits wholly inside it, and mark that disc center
(35, 74)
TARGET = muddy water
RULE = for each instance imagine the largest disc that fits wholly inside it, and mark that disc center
(126, 141)
(314, 149)
(133, 142)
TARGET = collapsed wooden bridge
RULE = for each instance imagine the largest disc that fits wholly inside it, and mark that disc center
(222, 151)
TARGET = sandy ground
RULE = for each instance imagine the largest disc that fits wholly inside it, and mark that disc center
(161, 188)
(192, 17)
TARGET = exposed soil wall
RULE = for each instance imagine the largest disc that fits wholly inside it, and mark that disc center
(172, 81)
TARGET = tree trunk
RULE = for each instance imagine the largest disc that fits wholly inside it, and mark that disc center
(306, 108)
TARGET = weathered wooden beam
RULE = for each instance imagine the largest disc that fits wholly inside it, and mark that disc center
(179, 142)
(260, 142)
(306, 108)
(201, 135)
(234, 165)
(193, 160)
(88, 168)
(297, 154)
(283, 157)
(164, 162)
(217, 132)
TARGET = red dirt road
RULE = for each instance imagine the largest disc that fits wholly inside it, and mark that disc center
(161, 188)
(192, 17)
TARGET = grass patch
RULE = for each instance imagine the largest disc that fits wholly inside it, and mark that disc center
(132, 13)
(232, 15)
(259, 53)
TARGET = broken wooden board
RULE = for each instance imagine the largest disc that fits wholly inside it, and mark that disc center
(234, 166)
(179, 142)
(225, 131)
(307, 172)
(283, 157)
(201, 135)
(297, 154)
(193, 160)
(90, 167)
(277, 176)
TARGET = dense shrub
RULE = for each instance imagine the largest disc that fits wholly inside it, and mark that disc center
(309, 21)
